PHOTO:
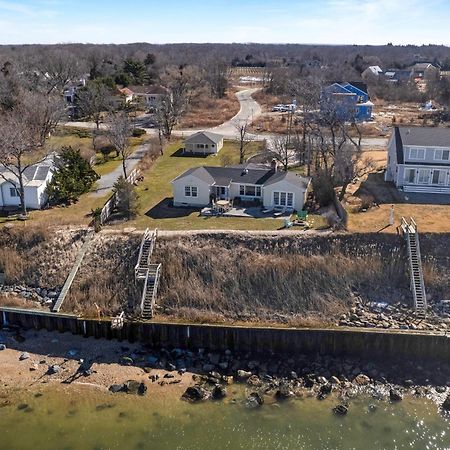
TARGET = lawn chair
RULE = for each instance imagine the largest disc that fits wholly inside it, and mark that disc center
(302, 215)
(279, 212)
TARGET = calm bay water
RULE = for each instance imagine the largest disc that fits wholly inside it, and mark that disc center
(85, 419)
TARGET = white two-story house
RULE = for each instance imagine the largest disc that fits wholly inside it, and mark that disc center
(419, 159)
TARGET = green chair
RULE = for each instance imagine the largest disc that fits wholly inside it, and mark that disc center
(302, 215)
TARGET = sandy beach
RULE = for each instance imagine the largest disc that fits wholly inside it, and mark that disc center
(29, 357)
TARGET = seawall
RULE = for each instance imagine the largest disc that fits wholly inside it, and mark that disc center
(367, 344)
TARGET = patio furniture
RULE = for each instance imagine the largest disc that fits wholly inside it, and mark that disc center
(223, 205)
(302, 215)
(279, 211)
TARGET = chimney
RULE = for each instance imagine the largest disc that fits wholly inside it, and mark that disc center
(273, 165)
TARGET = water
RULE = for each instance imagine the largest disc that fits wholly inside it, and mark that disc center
(84, 419)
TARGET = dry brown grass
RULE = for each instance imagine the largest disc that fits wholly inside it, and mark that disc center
(13, 301)
(37, 256)
(254, 284)
(105, 281)
(205, 112)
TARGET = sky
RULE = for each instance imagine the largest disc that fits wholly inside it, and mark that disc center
(265, 21)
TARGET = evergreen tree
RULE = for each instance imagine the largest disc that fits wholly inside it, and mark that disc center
(74, 176)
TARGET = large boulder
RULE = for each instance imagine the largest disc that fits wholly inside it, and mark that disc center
(219, 392)
(254, 400)
(194, 393)
(446, 405)
(395, 395)
(362, 380)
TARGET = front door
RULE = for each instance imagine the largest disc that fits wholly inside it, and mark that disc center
(221, 193)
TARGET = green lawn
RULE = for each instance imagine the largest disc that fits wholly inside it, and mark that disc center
(156, 191)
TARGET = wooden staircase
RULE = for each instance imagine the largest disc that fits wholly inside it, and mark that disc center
(415, 266)
(148, 272)
(150, 291)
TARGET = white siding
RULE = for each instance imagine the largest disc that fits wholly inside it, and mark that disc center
(35, 197)
(284, 186)
(179, 198)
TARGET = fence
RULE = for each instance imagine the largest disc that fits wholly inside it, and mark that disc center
(383, 345)
(110, 204)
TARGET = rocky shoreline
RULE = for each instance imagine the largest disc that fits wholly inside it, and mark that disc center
(397, 316)
(201, 375)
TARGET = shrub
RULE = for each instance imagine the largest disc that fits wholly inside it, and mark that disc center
(127, 204)
(138, 132)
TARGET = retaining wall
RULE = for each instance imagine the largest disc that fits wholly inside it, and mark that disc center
(347, 343)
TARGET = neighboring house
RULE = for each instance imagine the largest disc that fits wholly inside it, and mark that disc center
(348, 101)
(36, 179)
(199, 186)
(372, 71)
(419, 159)
(203, 142)
(149, 95)
(71, 90)
(398, 76)
(424, 71)
(127, 94)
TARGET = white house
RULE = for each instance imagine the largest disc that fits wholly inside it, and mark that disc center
(127, 94)
(36, 179)
(197, 187)
(419, 159)
(204, 142)
(150, 95)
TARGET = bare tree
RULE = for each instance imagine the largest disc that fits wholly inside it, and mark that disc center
(23, 132)
(216, 74)
(283, 151)
(243, 138)
(119, 132)
(58, 68)
(93, 101)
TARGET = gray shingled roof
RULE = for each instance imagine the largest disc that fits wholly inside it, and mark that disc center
(425, 136)
(245, 174)
(213, 137)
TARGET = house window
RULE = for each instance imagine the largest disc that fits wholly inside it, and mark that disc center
(283, 198)
(190, 191)
(442, 155)
(249, 191)
(13, 192)
(410, 175)
(424, 176)
(417, 153)
(438, 177)
(200, 145)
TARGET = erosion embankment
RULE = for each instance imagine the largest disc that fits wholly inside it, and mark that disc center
(222, 277)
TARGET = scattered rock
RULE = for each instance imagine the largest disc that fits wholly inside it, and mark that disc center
(284, 392)
(218, 392)
(53, 369)
(24, 356)
(395, 395)
(135, 387)
(2, 347)
(254, 400)
(242, 375)
(446, 404)
(341, 410)
(194, 393)
(254, 381)
(115, 388)
(361, 380)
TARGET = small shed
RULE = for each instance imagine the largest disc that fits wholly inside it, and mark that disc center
(204, 142)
